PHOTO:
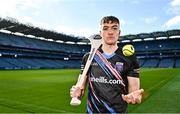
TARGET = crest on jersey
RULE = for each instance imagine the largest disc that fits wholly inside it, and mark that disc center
(119, 66)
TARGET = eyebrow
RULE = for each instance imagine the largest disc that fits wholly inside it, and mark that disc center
(111, 26)
(115, 26)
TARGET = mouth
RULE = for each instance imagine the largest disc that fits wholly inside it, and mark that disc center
(110, 37)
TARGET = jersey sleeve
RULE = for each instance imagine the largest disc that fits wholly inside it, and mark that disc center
(134, 67)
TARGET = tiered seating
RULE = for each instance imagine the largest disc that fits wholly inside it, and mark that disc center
(141, 62)
(164, 50)
(157, 45)
(166, 63)
(32, 63)
(37, 53)
(31, 43)
(6, 65)
(34, 53)
(177, 64)
(151, 63)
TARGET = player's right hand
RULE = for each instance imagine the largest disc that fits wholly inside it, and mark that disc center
(75, 91)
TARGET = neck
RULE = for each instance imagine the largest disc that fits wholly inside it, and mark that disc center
(109, 49)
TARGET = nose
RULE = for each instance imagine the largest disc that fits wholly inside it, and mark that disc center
(110, 31)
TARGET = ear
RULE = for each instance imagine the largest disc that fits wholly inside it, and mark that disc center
(100, 33)
(119, 32)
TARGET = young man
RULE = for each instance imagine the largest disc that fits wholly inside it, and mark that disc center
(113, 79)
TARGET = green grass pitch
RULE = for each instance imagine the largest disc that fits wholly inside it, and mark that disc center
(41, 91)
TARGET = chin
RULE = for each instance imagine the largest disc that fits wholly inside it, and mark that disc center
(111, 43)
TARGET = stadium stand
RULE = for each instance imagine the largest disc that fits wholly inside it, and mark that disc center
(151, 63)
(157, 49)
(27, 47)
(166, 63)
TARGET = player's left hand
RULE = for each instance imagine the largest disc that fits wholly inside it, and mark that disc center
(133, 97)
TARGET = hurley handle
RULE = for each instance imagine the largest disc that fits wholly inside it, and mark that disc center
(75, 101)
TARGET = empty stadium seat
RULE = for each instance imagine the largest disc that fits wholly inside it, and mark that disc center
(177, 63)
(166, 63)
(151, 63)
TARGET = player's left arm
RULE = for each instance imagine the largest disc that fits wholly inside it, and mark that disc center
(133, 84)
(134, 95)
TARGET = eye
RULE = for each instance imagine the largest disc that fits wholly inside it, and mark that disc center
(115, 28)
(105, 28)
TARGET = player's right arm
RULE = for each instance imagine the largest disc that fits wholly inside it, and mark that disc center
(78, 92)
(75, 90)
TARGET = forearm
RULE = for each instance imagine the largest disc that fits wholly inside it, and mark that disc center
(133, 84)
(83, 87)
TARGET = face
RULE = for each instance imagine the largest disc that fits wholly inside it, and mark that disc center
(110, 33)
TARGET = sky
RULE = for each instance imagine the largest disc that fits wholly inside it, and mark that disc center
(82, 17)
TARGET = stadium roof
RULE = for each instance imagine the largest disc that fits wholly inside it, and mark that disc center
(12, 25)
(153, 35)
